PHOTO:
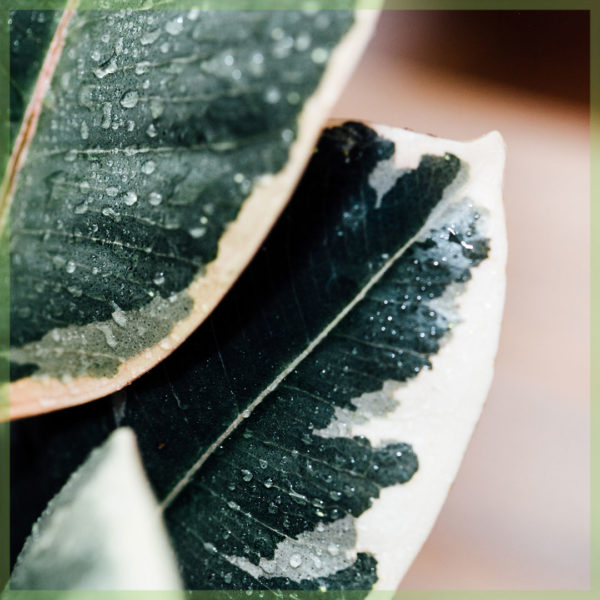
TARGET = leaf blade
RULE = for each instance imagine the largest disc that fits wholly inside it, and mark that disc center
(120, 264)
(101, 531)
(293, 483)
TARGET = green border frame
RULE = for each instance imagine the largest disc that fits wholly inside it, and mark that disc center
(590, 5)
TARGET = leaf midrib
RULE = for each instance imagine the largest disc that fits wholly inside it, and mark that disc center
(243, 416)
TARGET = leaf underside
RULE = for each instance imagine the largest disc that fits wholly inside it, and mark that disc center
(154, 135)
(246, 430)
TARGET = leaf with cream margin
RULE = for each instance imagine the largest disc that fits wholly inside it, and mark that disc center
(156, 151)
(306, 435)
(102, 531)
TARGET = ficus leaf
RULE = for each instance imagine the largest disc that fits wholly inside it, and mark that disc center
(156, 150)
(305, 436)
(102, 531)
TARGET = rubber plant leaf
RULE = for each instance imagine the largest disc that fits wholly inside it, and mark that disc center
(102, 531)
(306, 435)
(156, 150)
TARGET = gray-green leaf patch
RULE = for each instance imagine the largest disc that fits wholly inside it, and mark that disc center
(157, 129)
(279, 435)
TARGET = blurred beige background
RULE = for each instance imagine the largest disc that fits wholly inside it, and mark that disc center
(517, 516)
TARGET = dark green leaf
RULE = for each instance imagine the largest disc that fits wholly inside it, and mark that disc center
(305, 436)
(166, 145)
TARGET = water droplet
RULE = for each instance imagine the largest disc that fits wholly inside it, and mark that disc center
(277, 33)
(112, 191)
(157, 107)
(159, 279)
(85, 132)
(148, 167)
(106, 115)
(175, 26)
(119, 317)
(71, 155)
(149, 37)
(151, 131)
(155, 198)
(95, 55)
(84, 96)
(70, 268)
(197, 232)
(193, 14)
(263, 463)
(142, 67)
(303, 42)
(164, 47)
(130, 198)
(246, 475)
(59, 261)
(129, 99)
(238, 177)
(268, 483)
(295, 561)
(106, 68)
(287, 135)
(272, 95)
(319, 55)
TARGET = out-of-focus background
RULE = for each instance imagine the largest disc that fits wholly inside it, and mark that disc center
(517, 516)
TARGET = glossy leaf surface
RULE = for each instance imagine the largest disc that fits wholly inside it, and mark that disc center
(305, 436)
(150, 171)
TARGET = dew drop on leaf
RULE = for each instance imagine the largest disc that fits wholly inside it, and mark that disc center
(148, 167)
(155, 198)
(130, 198)
(175, 26)
(295, 561)
(129, 99)
(319, 55)
(197, 232)
(157, 107)
(272, 95)
(149, 37)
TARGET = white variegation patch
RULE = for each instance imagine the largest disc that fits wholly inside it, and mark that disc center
(435, 412)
